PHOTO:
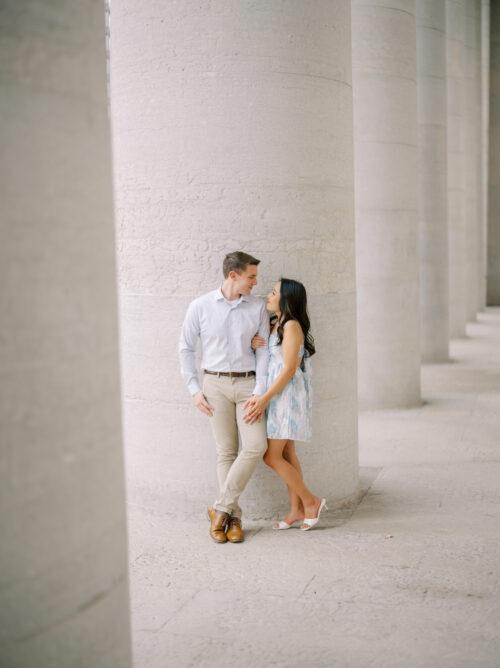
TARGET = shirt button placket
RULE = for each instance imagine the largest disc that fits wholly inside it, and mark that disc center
(231, 334)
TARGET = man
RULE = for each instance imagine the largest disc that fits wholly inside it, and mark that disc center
(226, 320)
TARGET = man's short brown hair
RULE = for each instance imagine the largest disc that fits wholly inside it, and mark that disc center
(238, 262)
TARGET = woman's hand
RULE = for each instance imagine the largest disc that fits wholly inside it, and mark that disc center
(255, 408)
(258, 342)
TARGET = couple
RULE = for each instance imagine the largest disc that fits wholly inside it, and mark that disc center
(240, 386)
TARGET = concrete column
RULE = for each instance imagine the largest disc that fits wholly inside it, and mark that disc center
(63, 562)
(472, 154)
(432, 179)
(385, 134)
(480, 232)
(485, 85)
(455, 93)
(493, 278)
(232, 130)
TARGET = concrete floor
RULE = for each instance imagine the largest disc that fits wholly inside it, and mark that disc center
(411, 577)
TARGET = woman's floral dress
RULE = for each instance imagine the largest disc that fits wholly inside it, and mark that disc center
(289, 414)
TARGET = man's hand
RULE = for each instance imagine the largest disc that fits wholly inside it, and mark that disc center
(255, 407)
(202, 404)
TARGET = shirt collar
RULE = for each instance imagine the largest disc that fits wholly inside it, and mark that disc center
(219, 296)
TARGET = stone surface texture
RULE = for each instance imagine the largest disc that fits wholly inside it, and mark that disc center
(386, 155)
(455, 97)
(411, 577)
(432, 179)
(493, 290)
(232, 131)
(63, 565)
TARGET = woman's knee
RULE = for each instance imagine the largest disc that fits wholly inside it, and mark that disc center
(268, 458)
(272, 459)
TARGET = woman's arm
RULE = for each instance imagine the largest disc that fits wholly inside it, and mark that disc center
(292, 340)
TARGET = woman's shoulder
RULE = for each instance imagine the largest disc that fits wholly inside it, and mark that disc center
(292, 326)
(293, 330)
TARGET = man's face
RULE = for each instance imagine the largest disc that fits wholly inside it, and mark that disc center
(245, 281)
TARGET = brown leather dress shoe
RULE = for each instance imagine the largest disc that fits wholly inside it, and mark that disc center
(234, 531)
(218, 522)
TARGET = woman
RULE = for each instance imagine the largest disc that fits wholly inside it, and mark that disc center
(287, 400)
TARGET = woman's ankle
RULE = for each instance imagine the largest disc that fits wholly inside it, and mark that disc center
(295, 512)
(315, 500)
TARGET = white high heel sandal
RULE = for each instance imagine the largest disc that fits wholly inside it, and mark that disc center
(281, 525)
(311, 522)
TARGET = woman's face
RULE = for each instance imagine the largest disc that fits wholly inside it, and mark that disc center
(273, 299)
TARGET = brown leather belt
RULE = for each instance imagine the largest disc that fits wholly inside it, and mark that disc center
(231, 374)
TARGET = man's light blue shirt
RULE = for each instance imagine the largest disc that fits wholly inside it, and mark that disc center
(226, 329)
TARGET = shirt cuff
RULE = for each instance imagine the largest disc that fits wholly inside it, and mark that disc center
(194, 387)
(259, 388)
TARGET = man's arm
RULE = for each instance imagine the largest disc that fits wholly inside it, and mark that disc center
(187, 354)
(262, 354)
(187, 349)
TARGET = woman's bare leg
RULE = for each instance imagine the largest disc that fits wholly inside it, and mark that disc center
(274, 458)
(296, 511)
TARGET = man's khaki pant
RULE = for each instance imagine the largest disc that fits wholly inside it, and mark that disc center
(228, 396)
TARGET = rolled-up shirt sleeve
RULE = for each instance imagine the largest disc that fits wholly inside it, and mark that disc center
(187, 348)
(262, 354)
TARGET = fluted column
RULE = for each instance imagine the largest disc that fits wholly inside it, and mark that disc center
(385, 134)
(455, 93)
(432, 179)
(493, 277)
(63, 561)
(233, 130)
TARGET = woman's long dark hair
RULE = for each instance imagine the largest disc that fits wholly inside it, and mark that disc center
(293, 306)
